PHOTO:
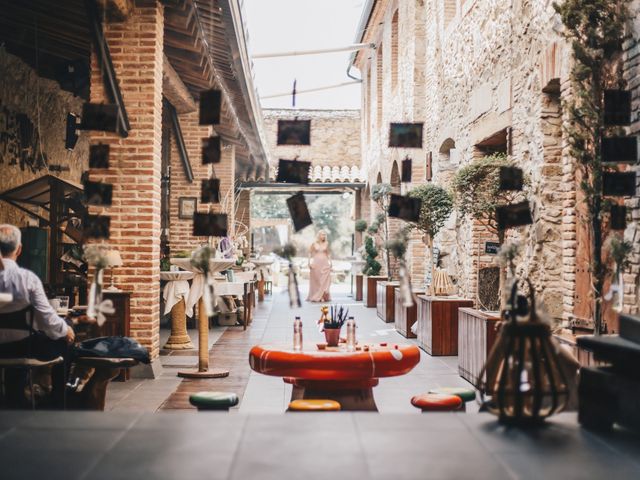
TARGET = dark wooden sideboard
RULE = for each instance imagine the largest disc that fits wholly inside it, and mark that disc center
(406, 317)
(385, 304)
(476, 335)
(371, 290)
(438, 324)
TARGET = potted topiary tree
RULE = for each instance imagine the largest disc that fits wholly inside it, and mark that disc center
(437, 205)
(381, 195)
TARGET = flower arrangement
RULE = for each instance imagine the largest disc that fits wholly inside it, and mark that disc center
(200, 258)
(96, 256)
(337, 317)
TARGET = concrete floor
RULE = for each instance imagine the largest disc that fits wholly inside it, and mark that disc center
(266, 394)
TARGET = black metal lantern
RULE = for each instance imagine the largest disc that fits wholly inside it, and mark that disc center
(525, 380)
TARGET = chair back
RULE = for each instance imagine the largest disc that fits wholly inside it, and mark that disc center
(18, 320)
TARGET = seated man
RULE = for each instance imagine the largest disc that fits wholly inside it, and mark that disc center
(52, 334)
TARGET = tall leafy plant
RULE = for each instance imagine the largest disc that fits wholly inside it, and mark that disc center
(381, 195)
(477, 195)
(596, 31)
(437, 205)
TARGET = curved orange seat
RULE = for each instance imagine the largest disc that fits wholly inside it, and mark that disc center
(340, 365)
(314, 405)
(436, 402)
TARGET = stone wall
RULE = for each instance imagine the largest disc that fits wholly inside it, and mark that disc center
(471, 70)
(632, 233)
(45, 106)
(335, 137)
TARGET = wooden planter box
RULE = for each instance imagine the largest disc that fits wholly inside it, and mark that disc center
(371, 290)
(406, 317)
(438, 324)
(585, 357)
(476, 336)
(386, 301)
(359, 287)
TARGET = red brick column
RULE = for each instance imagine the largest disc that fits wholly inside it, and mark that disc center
(136, 49)
(226, 172)
(181, 230)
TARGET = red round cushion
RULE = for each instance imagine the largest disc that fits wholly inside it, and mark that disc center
(436, 402)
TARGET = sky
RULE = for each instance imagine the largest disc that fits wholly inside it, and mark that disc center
(294, 25)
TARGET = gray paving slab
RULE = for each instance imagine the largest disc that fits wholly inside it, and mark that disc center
(341, 445)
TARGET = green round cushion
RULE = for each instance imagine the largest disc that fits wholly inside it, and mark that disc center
(465, 394)
(214, 400)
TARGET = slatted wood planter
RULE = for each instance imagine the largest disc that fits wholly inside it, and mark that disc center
(406, 317)
(372, 291)
(438, 324)
(359, 287)
(385, 304)
(476, 336)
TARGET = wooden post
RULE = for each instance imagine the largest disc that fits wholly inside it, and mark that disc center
(203, 350)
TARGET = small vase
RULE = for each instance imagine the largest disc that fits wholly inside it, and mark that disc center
(332, 335)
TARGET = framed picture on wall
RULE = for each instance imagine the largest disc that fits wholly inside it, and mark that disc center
(187, 207)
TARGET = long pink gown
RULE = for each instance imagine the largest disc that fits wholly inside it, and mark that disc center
(320, 275)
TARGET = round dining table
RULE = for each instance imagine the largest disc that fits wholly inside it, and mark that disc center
(334, 372)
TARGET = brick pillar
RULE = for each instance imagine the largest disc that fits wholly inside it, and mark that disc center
(226, 172)
(181, 230)
(136, 49)
(417, 255)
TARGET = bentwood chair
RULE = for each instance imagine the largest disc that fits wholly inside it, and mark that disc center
(23, 320)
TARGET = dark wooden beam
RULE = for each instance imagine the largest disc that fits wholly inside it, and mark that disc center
(177, 131)
(106, 65)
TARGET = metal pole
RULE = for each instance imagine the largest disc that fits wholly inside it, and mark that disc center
(357, 46)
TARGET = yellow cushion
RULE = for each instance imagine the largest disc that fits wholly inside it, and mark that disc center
(313, 405)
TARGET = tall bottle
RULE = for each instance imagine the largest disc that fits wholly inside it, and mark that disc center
(351, 334)
(297, 334)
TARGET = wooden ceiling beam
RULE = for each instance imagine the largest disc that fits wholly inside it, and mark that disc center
(174, 89)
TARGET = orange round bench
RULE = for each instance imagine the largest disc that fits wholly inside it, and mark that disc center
(436, 402)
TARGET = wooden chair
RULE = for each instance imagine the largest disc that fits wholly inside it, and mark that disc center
(23, 320)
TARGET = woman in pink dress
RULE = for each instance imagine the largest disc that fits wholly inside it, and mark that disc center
(320, 269)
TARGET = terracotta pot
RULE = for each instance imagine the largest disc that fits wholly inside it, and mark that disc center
(333, 336)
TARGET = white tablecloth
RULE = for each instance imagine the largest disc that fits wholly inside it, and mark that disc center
(197, 286)
(229, 288)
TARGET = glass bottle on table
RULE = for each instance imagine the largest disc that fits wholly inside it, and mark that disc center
(297, 335)
(351, 334)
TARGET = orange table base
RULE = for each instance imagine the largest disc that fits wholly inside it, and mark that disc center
(335, 373)
(354, 396)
